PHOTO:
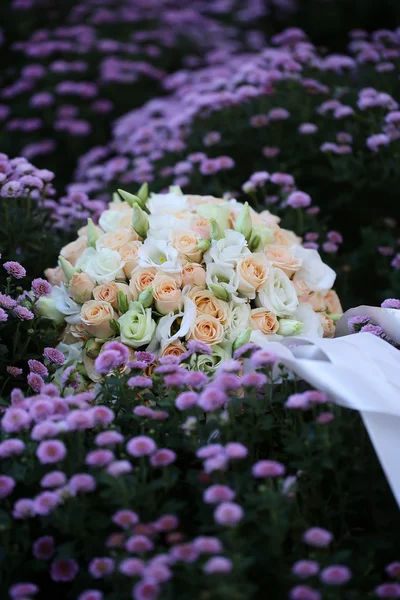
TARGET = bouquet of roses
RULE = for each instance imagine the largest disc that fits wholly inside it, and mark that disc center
(160, 270)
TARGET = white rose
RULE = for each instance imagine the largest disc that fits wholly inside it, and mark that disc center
(279, 294)
(101, 265)
(111, 220)
(161, 226)
(172, 202)
(65, 304)
(159, 254)
(238, 320)
(229, 249)
(136, 326)
(72, 353)
(316, 275)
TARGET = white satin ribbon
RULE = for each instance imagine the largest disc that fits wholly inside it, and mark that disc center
(358, 371)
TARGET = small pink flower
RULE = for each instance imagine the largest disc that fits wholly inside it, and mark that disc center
(132, 567)
(141, 446)
(45, 503)
(15, 419)
(325, 418)
(22, 590)
(162, 458)
(186, 400)
(14, 371)
(37, 367)
(166, 523)
(317, 537)
(268, 468)
(119, 467)
(91, 595)
(185, 552)
(11, 447)
(99, 458)
(125, 518)
(335, 575)
(393, 570)
(157, 572)
(236, 450)
(51, 451)
(44, 547)
(145, 590)
(63, 570)
(35, 381)
(53, 479)
(218, 493)
(140, 381)
(101, 567)
(23, 313)
(102, 415)
(305, 568)
(54, 356)
(7, 484)
(218, 564)
(23, 509)
(109, 438)
(139, 544)
(82, 483)
(228, 513)
(304, 592)
(388, 590)
(14, 269)
(41, 287)
(207, 545)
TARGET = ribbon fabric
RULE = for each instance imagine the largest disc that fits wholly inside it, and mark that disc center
(358, 371)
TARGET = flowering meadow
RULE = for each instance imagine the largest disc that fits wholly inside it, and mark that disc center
(186, 189)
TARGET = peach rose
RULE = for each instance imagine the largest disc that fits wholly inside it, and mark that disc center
(115, 240)
(129, 255)
(301, 288)
(55, 276)
(269, 219)
(207, 329)
(333, 304)
(96, 316)
(283, 237)
(317, 301)
(141, 279)
(185, 241)
(106, 292)
(283, 258)
(327, 324)
(201, 226)
(207, 304)
(252, 271)
(174, 349)
(193, 275)
(72, 251)
(80, 287)
(167, 294)
(263, 320)
(75, 333)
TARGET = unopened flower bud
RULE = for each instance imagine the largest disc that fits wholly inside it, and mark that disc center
(140, 222)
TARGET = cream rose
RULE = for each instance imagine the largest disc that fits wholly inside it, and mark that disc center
(74, 250)
(107, 292)
(207, 304)
(96, 316)
(283, 237)
(263, 320)
(129, 255)
(269, 219)
(193, 275)
(252, 272)
(55, 276)
(317, 301)
(207, 329)
(201, 226)
(80, 287)
(141, 279)
(278, 295)
(195, 200)
(115, 240)
(173, 349)
(118, 217)
(185, 241)
(283, 258)
(166, 293)
(328, 325)
(332, 302)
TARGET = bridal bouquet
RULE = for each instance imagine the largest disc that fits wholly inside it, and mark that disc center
(160, 270)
